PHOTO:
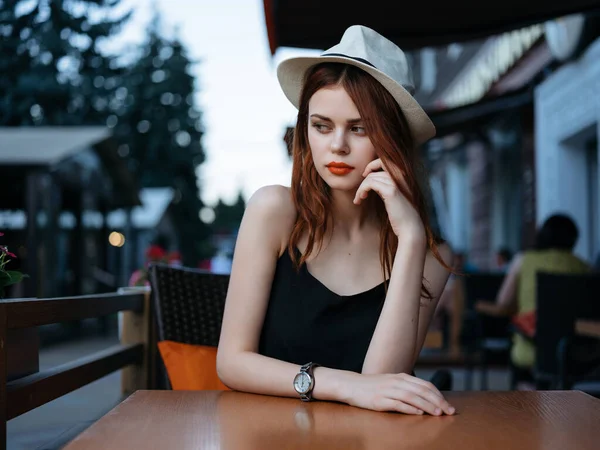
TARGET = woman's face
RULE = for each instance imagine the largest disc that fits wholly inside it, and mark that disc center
(338, 141)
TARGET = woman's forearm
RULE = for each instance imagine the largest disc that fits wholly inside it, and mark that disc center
(393, 346)
(252, 372)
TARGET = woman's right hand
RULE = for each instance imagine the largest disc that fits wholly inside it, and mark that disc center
(396, 392)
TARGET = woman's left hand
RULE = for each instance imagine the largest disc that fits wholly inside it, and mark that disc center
(403, 216)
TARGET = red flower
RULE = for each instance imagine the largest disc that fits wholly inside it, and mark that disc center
(174, 256)
(6, 252)
(155, 253)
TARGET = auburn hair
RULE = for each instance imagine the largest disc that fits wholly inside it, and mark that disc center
(388, 130)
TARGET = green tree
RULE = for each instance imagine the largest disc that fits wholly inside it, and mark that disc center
(161, 130)
(52, 70)
(17, 80)
(228, 217)
(100, 95)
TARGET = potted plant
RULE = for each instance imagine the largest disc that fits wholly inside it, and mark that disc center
(7, 277)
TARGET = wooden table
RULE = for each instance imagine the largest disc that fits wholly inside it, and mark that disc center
(237, 421)
(588, 328)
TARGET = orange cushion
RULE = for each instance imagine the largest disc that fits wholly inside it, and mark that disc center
(526, 323)
(191, 367)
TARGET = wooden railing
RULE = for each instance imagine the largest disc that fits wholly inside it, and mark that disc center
(29, 392)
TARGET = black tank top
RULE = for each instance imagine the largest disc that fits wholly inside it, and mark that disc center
(307, 322)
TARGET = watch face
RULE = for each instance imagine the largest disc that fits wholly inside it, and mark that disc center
(302, 383)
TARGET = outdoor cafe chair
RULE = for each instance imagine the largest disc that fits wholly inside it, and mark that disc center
(485, 338)
(565, 360)
(188, 304)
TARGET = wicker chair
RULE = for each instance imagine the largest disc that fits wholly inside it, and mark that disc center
(189, 307)
(189, 304)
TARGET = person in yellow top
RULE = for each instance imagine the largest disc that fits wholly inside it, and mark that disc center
(552, 252)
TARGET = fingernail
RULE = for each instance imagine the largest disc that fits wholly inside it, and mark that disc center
(452, 410)
(437, 411)
(420, 412)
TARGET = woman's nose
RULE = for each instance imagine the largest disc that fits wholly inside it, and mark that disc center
(339, 143)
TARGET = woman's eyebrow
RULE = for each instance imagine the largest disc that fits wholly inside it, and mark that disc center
(350, 121)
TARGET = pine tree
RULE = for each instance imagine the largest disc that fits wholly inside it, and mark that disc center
(16, 63)
(161, 130)
(163, 124)
(228, 217)
(52, 70)
(100, 96)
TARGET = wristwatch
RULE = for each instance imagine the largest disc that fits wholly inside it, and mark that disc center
(304, 381)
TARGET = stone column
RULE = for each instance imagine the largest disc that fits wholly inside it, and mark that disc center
(480, 170)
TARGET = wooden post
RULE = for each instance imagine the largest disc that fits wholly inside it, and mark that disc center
(3, 372)
(31, 262)
(136, 328)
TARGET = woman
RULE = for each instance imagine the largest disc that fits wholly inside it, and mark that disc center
(553, 253)
(343, 269)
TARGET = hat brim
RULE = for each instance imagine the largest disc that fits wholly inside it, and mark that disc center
(290, 74)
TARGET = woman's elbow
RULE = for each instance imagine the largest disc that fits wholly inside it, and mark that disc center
(224, 369)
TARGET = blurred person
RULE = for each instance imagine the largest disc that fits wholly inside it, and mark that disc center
(335, 280)
(503, 258)
(462, 264)
(552, 252)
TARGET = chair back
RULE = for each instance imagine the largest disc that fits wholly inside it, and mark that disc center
(189, 304)
(482, 286)
(561, 299)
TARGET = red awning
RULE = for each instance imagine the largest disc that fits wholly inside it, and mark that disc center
(320, 24)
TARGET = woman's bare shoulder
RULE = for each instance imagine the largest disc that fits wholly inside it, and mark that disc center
(274, 207)
(445, 252)
(275, 201)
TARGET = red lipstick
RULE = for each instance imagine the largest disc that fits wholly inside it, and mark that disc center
(339, 168)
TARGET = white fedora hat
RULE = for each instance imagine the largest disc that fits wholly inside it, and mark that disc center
(379, 57)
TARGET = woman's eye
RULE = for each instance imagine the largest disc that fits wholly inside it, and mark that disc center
(320, 127)
(358, 130)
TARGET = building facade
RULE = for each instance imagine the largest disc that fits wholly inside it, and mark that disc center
(567, 126)
(482, 167)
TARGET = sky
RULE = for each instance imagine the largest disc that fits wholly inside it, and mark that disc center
(245, 113)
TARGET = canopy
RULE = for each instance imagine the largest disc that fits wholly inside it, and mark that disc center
(320, 24)
(25, 150)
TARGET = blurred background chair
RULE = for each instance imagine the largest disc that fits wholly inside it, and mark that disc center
(486, 339)
(565, 360)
